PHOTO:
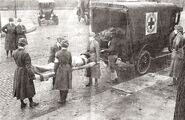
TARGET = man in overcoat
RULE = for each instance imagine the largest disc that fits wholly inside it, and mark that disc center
(93, 48)
(10, 40)
(113, 51)
(177, 55)
(23, 86)
(63, 71)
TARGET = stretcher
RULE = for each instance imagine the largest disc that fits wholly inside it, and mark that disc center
(43, 72)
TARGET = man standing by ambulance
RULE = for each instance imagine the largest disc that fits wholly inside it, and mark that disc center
(177, 55)
(113, 51)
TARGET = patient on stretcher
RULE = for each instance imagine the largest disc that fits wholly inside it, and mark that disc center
(78, 62)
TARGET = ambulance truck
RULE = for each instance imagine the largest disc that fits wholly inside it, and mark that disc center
(147, 25)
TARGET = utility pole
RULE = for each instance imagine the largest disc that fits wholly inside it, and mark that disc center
(15, 7)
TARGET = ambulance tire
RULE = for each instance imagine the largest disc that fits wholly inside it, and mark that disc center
(143, 62)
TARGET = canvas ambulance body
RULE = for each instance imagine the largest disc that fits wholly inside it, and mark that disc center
(147, 24)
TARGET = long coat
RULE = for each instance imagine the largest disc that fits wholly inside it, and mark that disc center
(113, 50)
(180, 97)
(10, 40)
(53, 50)
(63, 70)
(20, 32)
(94, 49)
(177, 56)
(23, 86)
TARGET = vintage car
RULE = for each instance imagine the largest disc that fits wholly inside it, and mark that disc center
(83, 11)
(46, 14)
(147, 25)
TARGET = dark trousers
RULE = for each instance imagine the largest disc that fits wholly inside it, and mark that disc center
(53, 80)
(63, 95)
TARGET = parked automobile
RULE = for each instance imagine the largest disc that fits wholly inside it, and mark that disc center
(46, 14)
(83, 11)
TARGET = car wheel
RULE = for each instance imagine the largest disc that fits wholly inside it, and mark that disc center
(143, 63)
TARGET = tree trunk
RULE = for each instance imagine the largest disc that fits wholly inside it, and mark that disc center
(179, 113)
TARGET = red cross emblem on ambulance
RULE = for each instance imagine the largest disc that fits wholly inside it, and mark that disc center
(151, 23)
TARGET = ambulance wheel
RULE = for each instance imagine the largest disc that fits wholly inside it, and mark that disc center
(143, 63)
